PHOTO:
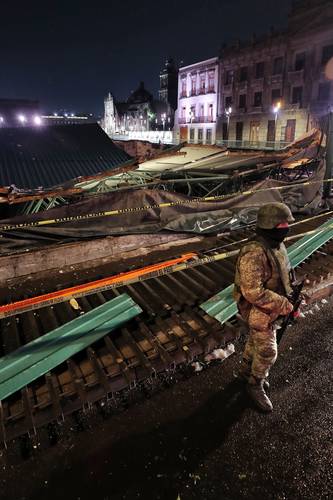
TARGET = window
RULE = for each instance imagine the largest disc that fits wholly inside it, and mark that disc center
(228, 101)
(257, 99)
(229, 77)
(289, 133)
(210, 113)
(202, 112)
(202, 83)
(260, 68)
(327, 54)
(276, 95)
(209, 136)
(300, 61)
(243, 74)
(271, 131)
(324, 91)
(192, 134)
(225, 131)
(192, 114)
(200, 135)
(278, 66)
(239, 131)
(193, 84)
(254, 131)
(297, 95)
(242, 101)
(183, 93)
(211, 81)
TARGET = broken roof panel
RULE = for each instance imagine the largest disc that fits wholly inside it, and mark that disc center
(35, 157)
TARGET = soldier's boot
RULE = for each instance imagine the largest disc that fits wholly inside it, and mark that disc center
(245, 373)
(256, 391)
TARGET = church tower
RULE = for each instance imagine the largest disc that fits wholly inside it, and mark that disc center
(109, 115)
(169, 84)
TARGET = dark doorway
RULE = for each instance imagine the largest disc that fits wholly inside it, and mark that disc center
(239, 131)
(289, 135)
(271, 131)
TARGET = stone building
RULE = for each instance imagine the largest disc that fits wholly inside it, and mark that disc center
(276, 88)
(197, 102)
(142, 116)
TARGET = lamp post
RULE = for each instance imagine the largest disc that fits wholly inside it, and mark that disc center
(228, 112)
(276, 110)
(163, 118)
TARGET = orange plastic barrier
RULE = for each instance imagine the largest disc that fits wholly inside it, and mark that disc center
(118, 278)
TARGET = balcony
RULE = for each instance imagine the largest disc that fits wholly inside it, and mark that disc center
(242, 86)
(193, 92)
(211, 90)
(257, 109)
(181, 120)
(182, 94)
(258, 83)
(276, 79)
(227, 88)
(203, 119)
(296, 77)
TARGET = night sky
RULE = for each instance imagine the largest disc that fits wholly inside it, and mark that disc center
(70, 54)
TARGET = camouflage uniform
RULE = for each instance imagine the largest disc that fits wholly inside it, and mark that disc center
(261, 285)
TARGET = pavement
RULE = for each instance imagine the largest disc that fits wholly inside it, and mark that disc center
(201, 438)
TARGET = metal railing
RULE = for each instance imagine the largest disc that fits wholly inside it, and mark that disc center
(197, 119)
(196, 92)
(270, 145)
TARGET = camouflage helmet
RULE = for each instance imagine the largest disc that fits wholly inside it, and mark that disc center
(272, 214)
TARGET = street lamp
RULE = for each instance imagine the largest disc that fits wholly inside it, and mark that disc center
(276, 110)
(163, 118)
(228, 112)
(37, 120)
(21, 118)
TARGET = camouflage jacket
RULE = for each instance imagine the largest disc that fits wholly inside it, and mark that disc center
(260, 281)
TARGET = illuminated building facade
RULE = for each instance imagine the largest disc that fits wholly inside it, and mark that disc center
(141, 116)
(196, 116)
(274, 89)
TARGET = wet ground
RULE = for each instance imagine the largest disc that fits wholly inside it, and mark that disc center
(202, 439)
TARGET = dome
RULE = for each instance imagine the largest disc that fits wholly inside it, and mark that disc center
(140, 95)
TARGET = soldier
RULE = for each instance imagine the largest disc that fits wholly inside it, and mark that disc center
(262, 285)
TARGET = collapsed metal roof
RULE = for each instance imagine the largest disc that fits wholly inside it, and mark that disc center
(44, 157)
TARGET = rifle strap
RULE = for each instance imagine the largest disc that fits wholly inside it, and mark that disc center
(276, 261)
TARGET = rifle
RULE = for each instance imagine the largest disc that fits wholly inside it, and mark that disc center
(295, 299)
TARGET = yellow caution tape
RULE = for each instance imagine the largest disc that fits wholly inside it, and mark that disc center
(121, 211)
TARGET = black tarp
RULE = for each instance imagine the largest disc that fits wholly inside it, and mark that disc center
(185, 215)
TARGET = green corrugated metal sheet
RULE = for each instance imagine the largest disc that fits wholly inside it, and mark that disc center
(49, 156)
(222, 306)
(24, 365)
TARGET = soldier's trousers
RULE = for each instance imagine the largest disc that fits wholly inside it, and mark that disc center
(261, 348)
